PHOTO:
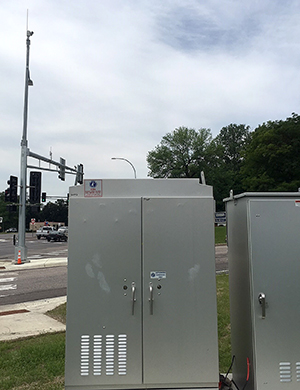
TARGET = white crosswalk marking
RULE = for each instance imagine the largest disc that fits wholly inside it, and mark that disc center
(8, 287)
(6, 282)
(5, 274)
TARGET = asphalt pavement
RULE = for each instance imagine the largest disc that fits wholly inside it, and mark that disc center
(29, 318)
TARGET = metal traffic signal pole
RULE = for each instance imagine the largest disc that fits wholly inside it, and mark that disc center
(21, 249)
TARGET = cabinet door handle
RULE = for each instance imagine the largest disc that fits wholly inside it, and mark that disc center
(262, 302)
(151, 299)
(133, 297)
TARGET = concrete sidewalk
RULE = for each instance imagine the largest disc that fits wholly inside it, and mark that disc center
(10, 265)
(29, 318)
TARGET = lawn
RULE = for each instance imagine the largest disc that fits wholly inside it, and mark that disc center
(220, 234)
(223, 323)
(37, 363)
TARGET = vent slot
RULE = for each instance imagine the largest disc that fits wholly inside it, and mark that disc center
(97, 355)
(110, 355)
(84, 355)
(109, 351)
(285, 372)
(298, 371)
(122, 354)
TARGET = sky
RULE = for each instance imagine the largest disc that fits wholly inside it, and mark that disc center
(112, 77)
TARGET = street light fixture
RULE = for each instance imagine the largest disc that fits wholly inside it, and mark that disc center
(125, 159)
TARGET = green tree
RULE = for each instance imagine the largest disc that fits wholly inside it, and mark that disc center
(218, 174)
(186, 152)
(233, 139)
(55, 212)
(10, 219)
(181, 153)
(272, 159)
(229, 146)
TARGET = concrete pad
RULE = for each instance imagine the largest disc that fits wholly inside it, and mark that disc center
(31, 321)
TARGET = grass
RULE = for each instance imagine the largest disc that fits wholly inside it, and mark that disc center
(33, 363)
(59, 313)
(220, 234)
(37, 363)
(223, 323)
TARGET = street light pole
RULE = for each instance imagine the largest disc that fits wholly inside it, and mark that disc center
(21, 249)
(125, 159)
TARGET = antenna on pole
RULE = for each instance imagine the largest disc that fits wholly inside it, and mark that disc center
(27, 21)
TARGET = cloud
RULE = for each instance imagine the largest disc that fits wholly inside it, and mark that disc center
(112, 77)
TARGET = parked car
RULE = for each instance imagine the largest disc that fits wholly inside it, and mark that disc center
(58, 235)
(63, 230)
(11, 230)
(44, 231)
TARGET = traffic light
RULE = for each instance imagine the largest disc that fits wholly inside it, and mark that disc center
(79, 174)
(11, 208)
(44, 196)
(62, 169)
(35, 187)
(13, 189)
(7, 195)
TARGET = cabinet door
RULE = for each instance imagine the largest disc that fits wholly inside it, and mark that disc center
(104, 272)
(275, 255)
(180, 327)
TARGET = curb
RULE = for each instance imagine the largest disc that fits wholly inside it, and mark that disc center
(41, 263)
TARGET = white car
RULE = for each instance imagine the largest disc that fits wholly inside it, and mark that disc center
(44, 231)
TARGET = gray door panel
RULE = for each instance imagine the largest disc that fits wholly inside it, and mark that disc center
(180, 342)
(104, 340)
(275, 238)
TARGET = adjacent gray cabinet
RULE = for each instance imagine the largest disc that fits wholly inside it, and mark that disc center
(141, 308)
(264, 276)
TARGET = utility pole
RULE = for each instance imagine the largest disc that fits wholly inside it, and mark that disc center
(21, 249)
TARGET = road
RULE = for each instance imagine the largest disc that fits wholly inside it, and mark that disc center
(36, 248)
(221, 256)
(32, 284)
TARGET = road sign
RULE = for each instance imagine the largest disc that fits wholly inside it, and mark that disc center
(93, 188)
(220, 218)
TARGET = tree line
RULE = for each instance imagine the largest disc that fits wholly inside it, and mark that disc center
(52, 212)
(238, 159)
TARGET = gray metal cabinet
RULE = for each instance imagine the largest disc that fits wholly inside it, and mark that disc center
(141, 287)
(264, 274)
